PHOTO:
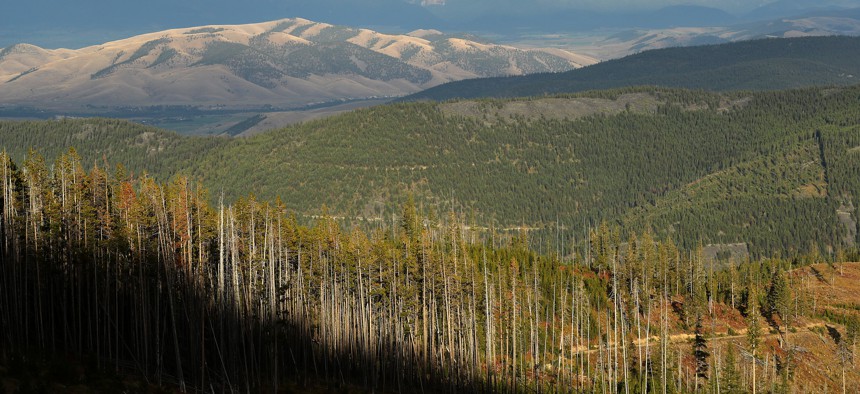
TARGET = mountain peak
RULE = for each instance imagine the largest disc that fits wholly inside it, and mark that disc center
(21, 49)
(283, 63)
(425, 33)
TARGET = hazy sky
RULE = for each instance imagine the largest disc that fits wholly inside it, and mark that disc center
(615, 5)
(56, 23)
(729, 5)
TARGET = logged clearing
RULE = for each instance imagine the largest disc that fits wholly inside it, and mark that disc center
(552, 108)
(813, 341)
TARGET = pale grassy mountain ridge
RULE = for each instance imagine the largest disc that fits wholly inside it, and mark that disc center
(287, 62)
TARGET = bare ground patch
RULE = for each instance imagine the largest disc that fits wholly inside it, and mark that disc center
(551, 108)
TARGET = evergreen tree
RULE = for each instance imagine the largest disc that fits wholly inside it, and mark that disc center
(753, 328)
(779, 297)
(852, 331)
(700, 351)
(730, 377)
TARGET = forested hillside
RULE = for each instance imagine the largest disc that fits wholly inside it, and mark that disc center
(765, 64)
(776, 171)
(104, 278)
(107, 142)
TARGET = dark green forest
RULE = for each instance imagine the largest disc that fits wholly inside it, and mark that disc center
(765, 64)
(776, 171)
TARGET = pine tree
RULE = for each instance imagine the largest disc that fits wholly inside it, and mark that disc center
(700, 351)
(753, 327)
(730, 377)
(852, 331)
(779, 297)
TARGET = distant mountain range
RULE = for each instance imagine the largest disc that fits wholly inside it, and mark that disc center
(554, 20)
(812, 23)
(613, 14)
(288, 63)
(507, 23)
(765, 64)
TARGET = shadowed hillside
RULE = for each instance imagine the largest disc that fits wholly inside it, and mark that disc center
(122, 277)
(765, 64)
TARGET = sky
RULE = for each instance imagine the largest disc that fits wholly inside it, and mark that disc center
(612, 5)
(63, 23)
(732, 6)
